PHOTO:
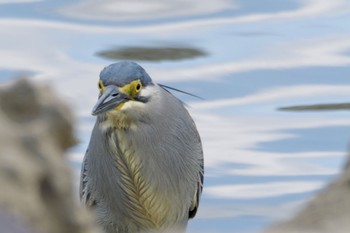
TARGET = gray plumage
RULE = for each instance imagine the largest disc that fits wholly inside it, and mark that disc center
(143, 170)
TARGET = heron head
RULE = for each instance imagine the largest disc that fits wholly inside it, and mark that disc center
(122, 84)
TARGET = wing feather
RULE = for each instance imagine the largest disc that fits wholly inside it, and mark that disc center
(195, 202)
(84, 191)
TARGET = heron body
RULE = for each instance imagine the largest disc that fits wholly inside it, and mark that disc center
(143, 169)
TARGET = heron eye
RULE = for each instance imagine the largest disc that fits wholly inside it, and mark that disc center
(138, 87)
(100, 85)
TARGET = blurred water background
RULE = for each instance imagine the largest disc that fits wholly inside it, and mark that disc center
(274, 75)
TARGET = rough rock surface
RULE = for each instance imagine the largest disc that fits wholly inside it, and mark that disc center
(36, 194)
(328, 212)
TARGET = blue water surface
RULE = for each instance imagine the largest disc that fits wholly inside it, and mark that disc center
(261, 164)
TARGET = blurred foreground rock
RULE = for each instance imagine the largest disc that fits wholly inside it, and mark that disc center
(328, 212)
(36, 193)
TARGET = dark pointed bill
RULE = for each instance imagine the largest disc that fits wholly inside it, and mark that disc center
(110, 99)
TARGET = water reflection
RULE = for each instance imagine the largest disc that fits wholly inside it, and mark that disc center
(145, 10)
(151, 53)
(317, 107)
(261, 163)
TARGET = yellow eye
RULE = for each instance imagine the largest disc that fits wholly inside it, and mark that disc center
(100, 85)
(132, 89)
(138, 87)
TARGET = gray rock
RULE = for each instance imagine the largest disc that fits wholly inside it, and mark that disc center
(36, 194)
(328, 212)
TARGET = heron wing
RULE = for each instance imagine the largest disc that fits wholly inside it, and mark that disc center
(84, 190)
(198, 193)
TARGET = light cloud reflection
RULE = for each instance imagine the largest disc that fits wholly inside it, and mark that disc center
(233, 139)
(308, 8)
(254, 191)
(149, 9)
(231, 210)
(329, 52)
(278, 94)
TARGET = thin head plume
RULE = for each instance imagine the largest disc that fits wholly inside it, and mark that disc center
(183, 92)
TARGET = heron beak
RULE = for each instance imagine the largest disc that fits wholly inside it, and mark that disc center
(110, 99)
